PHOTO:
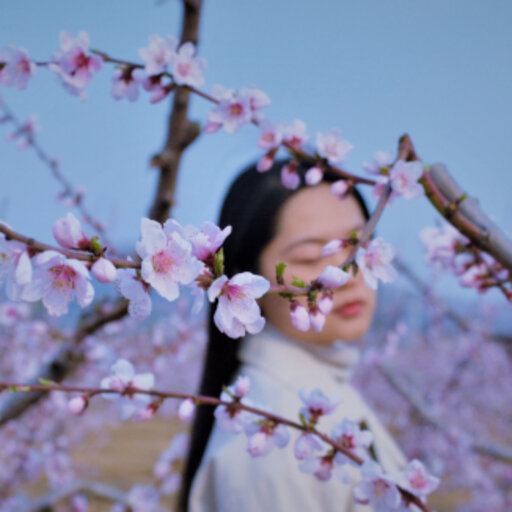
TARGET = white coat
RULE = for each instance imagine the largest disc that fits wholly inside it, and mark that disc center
(230, 480)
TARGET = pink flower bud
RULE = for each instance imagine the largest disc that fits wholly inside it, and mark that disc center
(104, 271)
(314, 175)
(78, 404)
(265, 162)
(325, 304)
(242, 386)
(186, 410)
(317, 319)
(300, 316)
(68, 233)
(340, 188)
(332, 277)
(290, 177)
(332, 247)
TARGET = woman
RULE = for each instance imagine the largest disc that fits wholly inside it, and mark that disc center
(272, 224)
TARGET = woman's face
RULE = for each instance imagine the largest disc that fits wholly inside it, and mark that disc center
(307, 221)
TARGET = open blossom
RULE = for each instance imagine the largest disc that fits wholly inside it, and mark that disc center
(376, 489)
(332, 147)
(317, 404)
(187, 69)
(123, 377)
(18, 69)
(417, 480)
(404, 179)
(104, 270)
(381, 162)
(206, 240)
(12, 312)
(125, 83)
(233, 110)
(262, 438)
(441, 244)
(270, 137)
(295, 134)
(332, 277)
(74, 63)
(305, 446)
(375, 262)
(166, 257)
(68, 233)
(159, 54)
(56, 279)
(233, 419)
(15, 266)
(349, 435)
(237, 310)
(136, 291)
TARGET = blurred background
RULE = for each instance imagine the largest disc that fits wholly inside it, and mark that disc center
(439, 71)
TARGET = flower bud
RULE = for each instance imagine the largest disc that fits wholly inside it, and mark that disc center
(325, 304)
(314, 176)
(299, 316)
(242, 386)
(186, 410)
(78, 404)
(104, 271)
(317, 319)
(68, 233)
(332, 277)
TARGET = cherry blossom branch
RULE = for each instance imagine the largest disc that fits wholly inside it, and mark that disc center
(234, 405)
(495, 450)
(53, 165)
(179, 137)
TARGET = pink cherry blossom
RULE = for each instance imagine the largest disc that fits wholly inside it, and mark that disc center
(207, 239)
(68, 233)
(136, 291)
(442, 244)
(305, 445)
(333, 277)
(104, 271)
(316, 319)
(159, 54)
(332, 247)
(15, 266)
(295, 134)
(325, 303)
(12, 312)
(18, 69)
(159, 89)
(166, 257)
(376, 489)
(122, 378)
(125, 83)
(417, 480)
(289, 176)
(375, 262)
(232, 419)
(349, 435)
(257, 100)
(404, 179)
(242, 386)
(300, 316)
(262, 438)
(56, 279)
(314, 175)
(78, 404)
(332, 147)
(322, 468)
(73, 63)
(186, 410)
(187, 69)
(340, 189)
(233, 110)
(270, 137)
(317, 404)
(380, 163)
(266, 162)
(237, 310)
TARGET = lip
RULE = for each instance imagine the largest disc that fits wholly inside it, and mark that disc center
(350, 309)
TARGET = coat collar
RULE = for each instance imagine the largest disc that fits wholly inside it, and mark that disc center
(298, 363)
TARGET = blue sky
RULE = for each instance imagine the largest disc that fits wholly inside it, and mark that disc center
(438, 70)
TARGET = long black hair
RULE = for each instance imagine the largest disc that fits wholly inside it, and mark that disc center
(252, 206)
